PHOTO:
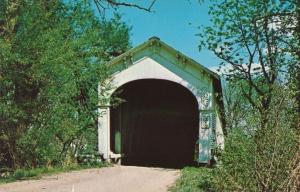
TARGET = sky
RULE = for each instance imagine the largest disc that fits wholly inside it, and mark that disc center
(176, 22)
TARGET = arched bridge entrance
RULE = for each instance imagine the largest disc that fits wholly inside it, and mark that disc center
(155, 125)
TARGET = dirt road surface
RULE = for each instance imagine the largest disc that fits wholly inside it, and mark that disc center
(109, 179)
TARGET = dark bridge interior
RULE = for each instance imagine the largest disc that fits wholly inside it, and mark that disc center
(156, 125)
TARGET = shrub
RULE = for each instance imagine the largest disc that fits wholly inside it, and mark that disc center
(194, 179)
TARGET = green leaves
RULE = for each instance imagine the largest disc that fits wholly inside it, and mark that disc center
(256, 43)
(51, 64)
(194, 179)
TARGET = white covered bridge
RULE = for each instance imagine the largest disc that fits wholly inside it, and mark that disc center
(170, 110)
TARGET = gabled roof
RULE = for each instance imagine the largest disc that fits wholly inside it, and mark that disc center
(154, 41)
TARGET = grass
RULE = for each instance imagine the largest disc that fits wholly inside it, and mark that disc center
(194, 179)
(37, 173)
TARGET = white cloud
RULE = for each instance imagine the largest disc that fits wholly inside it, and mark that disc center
(227, 69)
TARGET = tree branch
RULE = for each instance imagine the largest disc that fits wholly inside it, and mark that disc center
(115, 3)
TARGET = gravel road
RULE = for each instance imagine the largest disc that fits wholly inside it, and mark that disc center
(108, 179)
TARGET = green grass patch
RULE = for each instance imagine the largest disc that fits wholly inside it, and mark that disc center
(194, 179)
(36, 173)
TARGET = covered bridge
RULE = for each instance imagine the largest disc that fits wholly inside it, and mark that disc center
(169, 114)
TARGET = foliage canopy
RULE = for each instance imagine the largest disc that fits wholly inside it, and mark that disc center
(52, 58)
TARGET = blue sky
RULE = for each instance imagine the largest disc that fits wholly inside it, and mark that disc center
(175, 22)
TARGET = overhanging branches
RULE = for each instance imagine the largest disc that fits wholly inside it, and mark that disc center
(102, 5)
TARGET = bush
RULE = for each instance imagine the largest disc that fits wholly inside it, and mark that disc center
(236, 163)
(261, 162)
(23, 173)
(194, 179)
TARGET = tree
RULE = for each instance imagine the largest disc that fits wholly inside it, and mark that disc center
(246, 39)
(255, 41)
(52, 58)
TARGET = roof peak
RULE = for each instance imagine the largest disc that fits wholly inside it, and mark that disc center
(154, 38)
